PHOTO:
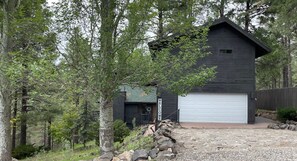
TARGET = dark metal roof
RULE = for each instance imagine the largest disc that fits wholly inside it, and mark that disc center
(261, 48)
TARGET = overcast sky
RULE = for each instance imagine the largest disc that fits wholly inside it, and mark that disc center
(51, 1)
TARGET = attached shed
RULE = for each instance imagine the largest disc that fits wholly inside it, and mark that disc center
(135, 105)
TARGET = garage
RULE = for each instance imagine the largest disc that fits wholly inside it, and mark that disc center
(213, 107)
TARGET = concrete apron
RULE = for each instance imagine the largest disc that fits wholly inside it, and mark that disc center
(260, 123)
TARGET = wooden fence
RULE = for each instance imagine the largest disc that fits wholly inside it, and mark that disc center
(276, 98)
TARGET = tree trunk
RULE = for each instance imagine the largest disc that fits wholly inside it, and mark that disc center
(44, 135)
(75, 133)
(285, 76)
(273, 83)
(49, 135)
(106, 127)
(14, 122)
(160, 21)
(289, 62)
(107, 13)
(247, 16)
(23, 135)
(279, 81)
(287, 67)
(86, 122)
(222, 8)
(5, 137)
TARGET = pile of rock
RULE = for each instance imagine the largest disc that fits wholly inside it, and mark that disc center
(289, 125)
(267, 114)
(165, 148)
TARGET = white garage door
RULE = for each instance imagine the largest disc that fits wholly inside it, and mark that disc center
(213, 107)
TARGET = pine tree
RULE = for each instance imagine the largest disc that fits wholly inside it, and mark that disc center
(8, 8)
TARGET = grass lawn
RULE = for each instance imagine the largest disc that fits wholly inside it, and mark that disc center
(79, 153)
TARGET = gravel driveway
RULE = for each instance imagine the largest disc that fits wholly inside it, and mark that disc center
(236, 144)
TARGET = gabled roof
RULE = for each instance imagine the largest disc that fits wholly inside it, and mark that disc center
(261, 48)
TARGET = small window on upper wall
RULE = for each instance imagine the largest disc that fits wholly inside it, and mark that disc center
(225, 51)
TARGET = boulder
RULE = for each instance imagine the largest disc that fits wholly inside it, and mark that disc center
(96, 159)
(273, 126)
(157, 136)
(178, 147)
(269, 126)
(165, 145)
(153, 153)
(171, 125)
(104, 157)
(150, 130)
(162, 139)
(283, 126)
(163, 155)
(168, 134)
(126, 156)
(291, 127)
(291, 122)
(276, 127)
(140, 155)
(116, 159)
(165, 121)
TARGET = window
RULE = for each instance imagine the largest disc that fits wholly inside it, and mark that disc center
(225, 51)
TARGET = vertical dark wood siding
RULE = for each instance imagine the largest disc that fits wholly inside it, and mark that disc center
(235, 71)
(169, 105)
(119, 106)
(274, 99)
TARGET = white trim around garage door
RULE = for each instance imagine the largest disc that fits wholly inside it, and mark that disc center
(213, 107)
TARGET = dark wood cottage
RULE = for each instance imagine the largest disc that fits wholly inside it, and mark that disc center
(229, 98)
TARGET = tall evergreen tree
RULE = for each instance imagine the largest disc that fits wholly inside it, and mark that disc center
(8, 8)
(280, 26)
(31, 39)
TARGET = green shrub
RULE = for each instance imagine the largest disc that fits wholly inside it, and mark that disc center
(24, 151)
(144, 142)
(285, 114)
(120, 130)
(135, 141)
(117, 145)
